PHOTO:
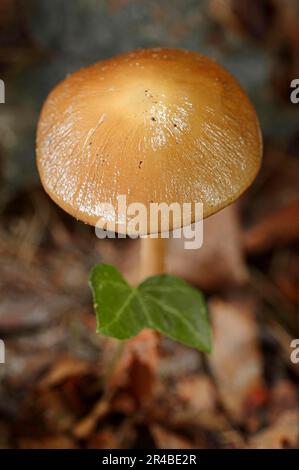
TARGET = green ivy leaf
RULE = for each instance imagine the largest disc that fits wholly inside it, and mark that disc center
(164, 303)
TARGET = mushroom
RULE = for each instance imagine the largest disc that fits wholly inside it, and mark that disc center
(156, 125)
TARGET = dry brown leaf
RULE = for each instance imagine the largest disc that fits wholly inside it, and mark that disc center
(136, 367)
(49, 442)
(284, 397)
(84, 428)
(232, 439)
(277, 228)
(209, 428)
(236, 361)
(166, 439)
(283, 434)
(219, 262)
(123, 403)
(52, 409)
(177, 360)
(66, 368)
(104, 439)
(198, 393)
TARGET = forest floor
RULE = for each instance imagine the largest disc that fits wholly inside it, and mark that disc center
(64, 386)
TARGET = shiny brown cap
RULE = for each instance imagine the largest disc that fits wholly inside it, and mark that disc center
(155, 125)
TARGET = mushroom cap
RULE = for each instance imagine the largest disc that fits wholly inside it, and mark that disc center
(154, 125)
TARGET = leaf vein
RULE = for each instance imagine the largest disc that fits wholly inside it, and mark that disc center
(122, 309)
(174, 312)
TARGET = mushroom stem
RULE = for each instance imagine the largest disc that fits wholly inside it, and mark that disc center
(152, 256)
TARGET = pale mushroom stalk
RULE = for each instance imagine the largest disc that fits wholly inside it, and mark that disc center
(152, 256)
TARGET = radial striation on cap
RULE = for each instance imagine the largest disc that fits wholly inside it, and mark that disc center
(155, 125)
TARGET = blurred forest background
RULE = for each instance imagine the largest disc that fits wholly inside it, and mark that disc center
(62, 385)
